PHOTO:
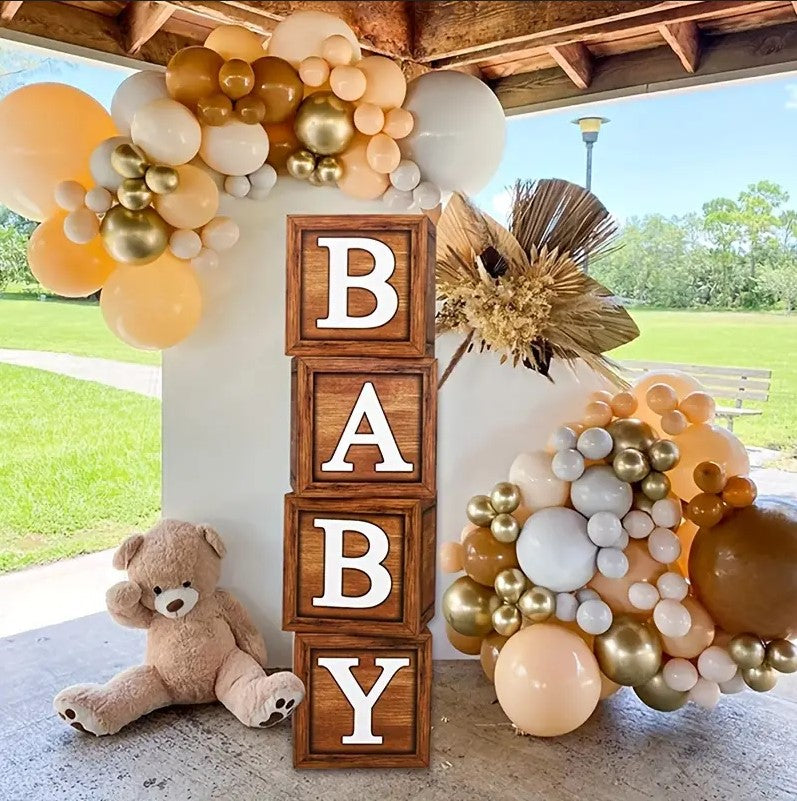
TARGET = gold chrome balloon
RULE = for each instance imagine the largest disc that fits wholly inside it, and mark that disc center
(782, 656)
(162, 180)
(480, 510)
(468, 607)
(129, 161)
(301, 164)
(629, 653)
(663, 455)
(642, 502)
(656, 486)
(657, 695)
(505, 497)
(537, 604)
(329, 171)
(324, 123)
(747, 650)
(631, 465)
(510, 584)
(134, 194)
(628, 432)
(507, 620)
(761, 679)
(505, 528)
(134, 237)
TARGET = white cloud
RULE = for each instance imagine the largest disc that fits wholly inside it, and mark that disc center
(791, 102)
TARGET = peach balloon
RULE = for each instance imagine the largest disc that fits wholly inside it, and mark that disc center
(464, 644)
(547, 680)
(698, 407)
(661, 398)
(623, 404)
(359, 179)
(152, 306)
(539, 487)
(602, 395)
(703, 442)
(195, 201)
(673, 422)
(398, 123)
(369, 119)
(490, 648)
(597, 413)
(686, 534)
(314, 71)
(235, 41)
(348, 83)
(387, 85)
(451, 555)
(383, 154)
(608, 687)
(681, 382)
(47, 134)
(337, 50)
(699, 636)
(641, 567)
(70, 270)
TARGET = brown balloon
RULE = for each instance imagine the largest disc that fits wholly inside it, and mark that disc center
(705, 510)
(236, 78)
(463, 644)
(491, 646)
(193, 73)
(739, 491)
(214, 109)
(250, 109)
(282, 141)
(744, 570)
(484, 557)
(279, 86)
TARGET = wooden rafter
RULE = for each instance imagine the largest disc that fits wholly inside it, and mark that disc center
(8, 8)
(684, 39)
(140, 21)
(576, 62)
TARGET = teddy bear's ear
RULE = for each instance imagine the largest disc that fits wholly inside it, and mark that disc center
(127, 550)
(213, 538)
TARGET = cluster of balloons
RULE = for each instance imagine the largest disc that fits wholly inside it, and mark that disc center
(582, 576)
(141, 186)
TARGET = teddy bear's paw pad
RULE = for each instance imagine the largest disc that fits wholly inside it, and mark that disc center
(78, 716)
(280, 707)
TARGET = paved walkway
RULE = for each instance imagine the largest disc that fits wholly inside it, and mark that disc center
(144, 379)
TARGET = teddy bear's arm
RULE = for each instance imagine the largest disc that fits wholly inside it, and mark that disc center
(247, 637)
(124, 604)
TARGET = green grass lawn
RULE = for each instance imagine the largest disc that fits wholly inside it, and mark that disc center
(734, 340)
(80, 466)
(63, 327)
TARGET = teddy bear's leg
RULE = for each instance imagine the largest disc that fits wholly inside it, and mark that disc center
(106, 708)
(254, 698)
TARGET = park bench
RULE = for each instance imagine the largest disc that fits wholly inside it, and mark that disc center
(728, 385)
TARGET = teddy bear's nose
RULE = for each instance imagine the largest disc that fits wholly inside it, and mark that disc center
(174, 605)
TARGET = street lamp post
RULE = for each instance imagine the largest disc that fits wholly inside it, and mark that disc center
(590, 128)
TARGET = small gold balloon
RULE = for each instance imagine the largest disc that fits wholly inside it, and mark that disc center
(507, 620)
(761, 679)
(628, 432)
(301, 164)
(631, 465)
(236, 78)
(510, 584)
(656, 486)
(505, 528)
(314, 179)
(747, 650)
(629, 653)
(134, 237)
(642, 502)
(162, 180)
(468, 607)
(663, 455)
(657, 695)
(129, 161)
(505, 497)
(134, 194)
(480, 511)
(537, 604)
(782, 656)
(250, 109)
(324, 123)
(329, 170)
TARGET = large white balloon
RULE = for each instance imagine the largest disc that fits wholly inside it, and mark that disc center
(234, 148)
(539, 487)
(100, 163)
(599, 490)
(302, 35)
(554, 551)
(135, 92)
(168, 132)
(459, 133)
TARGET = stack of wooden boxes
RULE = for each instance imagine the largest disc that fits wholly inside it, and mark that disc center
(359, 561)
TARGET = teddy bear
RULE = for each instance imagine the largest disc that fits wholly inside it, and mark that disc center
(201, 643)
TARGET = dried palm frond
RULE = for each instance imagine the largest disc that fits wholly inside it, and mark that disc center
(522, 292)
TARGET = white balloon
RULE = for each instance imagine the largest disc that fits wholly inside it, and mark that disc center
(664, 546)
(206, 260)
(81, 226)
(539, 487)
(586, 594)
(221, 233)
(237, 185)
(705, 693)
(234, 148)
(426, 195)
(622, 543)
(554, 551)
(263, 178)
(69, 195)
(406, 176)
(594, 616)
(459, 133)
(302, 34)
(715, 664)
(398, 200)
(672, 618)
(566, 606)
(680, 675)
(612, 562)
(100, 163)
(135, 92)
(595, 443)
(604, 529)
(642, 595)
(563, 439)
(567, 465)
(735, 685)
(599, 490)
(168, 132)
(638, 524)
(666, 512)
(672, 585)
(185, 244)
(99, 199)
(258, 194)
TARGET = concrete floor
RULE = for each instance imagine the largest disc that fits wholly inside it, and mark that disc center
(744, 749)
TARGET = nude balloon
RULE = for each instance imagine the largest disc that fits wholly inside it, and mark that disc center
(234, 148)
(167, 132)
(303, 34)
(359, 179)
(195, 201)
(539, 487)
(386, 85)
(681, 382)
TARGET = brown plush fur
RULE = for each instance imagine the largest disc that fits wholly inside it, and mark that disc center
(201, 644)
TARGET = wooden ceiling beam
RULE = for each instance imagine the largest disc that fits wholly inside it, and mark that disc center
(140, 21)
(8, 8)
(684, 39)
(576, 61)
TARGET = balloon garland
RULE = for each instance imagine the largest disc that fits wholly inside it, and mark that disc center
(141, 186)
(586, 572)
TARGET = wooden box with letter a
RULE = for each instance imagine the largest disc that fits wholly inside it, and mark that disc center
(359, 554)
